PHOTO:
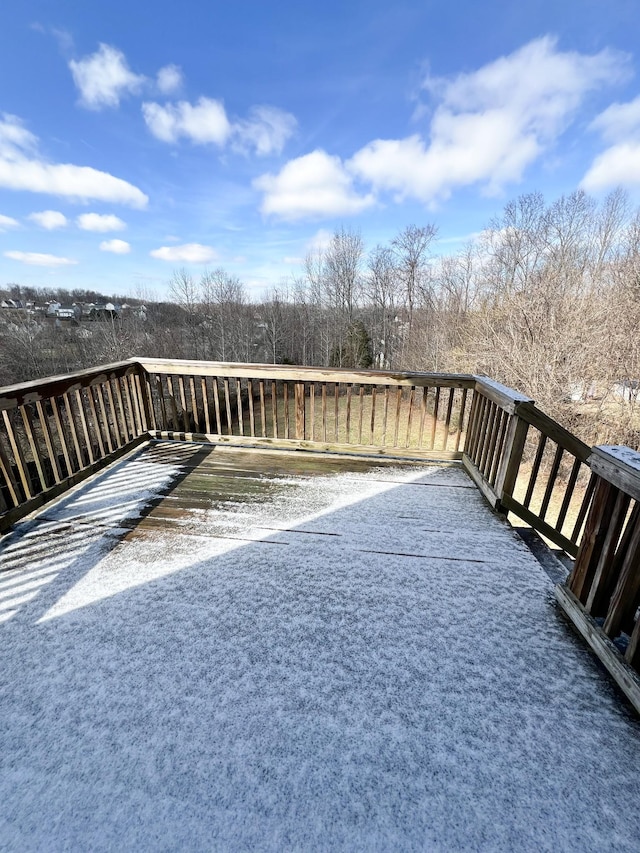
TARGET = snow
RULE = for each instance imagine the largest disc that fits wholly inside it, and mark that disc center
(357, 661)
(624, 454)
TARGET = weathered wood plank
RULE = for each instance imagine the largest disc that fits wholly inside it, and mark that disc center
(48, 440)
(624, 600)
(622, 673)
(263, 410)
(18, 455)
(308, 374)
(239, 407)
(501, 395)
(72, 429)
(227, 404)
(300, 410)
(434, 424)
(33, 445)
(593, 539)
(508, 503)
(554, 431)
(84, 425)
(605, 573)
(484, 487)
(461, 419)
(618, 465)
(314, 447)
(61, 435)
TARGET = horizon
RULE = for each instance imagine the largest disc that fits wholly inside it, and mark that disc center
(243, 138)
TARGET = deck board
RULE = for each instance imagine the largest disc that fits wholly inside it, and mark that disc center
(212, 648)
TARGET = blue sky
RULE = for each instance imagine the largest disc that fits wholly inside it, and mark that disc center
(139, 138)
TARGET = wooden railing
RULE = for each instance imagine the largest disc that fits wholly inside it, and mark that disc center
(403, 414)
(57, 431)
(602, 594)
(526, 463)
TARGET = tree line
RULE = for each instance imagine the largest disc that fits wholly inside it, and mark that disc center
(544, 299)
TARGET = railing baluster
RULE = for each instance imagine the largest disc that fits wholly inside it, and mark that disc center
(412, 396)
(551, 481)
(434, 425)
(385, 413)
(252, 420)
(194, 405)
(183, 405)
(33, 445)
(274, 409)
(119, 413)
(324, 411)
(128, 416)
(312, 410)
(239, 406)
(285, 403)
(463, 404)
(10, 480)
(263, 410)
(61, 435)
(300, 410)
(84, 426)
(227, 405)
(396, 421)
(216, 404)
(373, 415)
(205, 405)
(48, 441)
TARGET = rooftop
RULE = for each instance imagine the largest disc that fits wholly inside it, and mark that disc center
(208, 645)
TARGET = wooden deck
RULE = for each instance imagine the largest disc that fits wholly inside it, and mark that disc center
(213, 648)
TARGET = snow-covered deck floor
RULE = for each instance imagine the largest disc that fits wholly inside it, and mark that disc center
(291, 652)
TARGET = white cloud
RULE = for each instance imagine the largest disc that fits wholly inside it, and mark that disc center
(204, 122)
(49, 219)
(312, 186)
(104, 77)
(489, 125)
(192, 253)
(619, 164)
(169, 79)
(265, 131)
(320, 241)
(21, 168)
(37, 259)
(101, 222)
(7, 222)
(117, 247)
(619, 121)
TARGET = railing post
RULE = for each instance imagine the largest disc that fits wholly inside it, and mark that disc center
(515, 438)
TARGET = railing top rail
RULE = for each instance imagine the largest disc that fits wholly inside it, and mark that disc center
(250, 370)
(507, 398)
(618, 465)
(553, 430)
(39, 389)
